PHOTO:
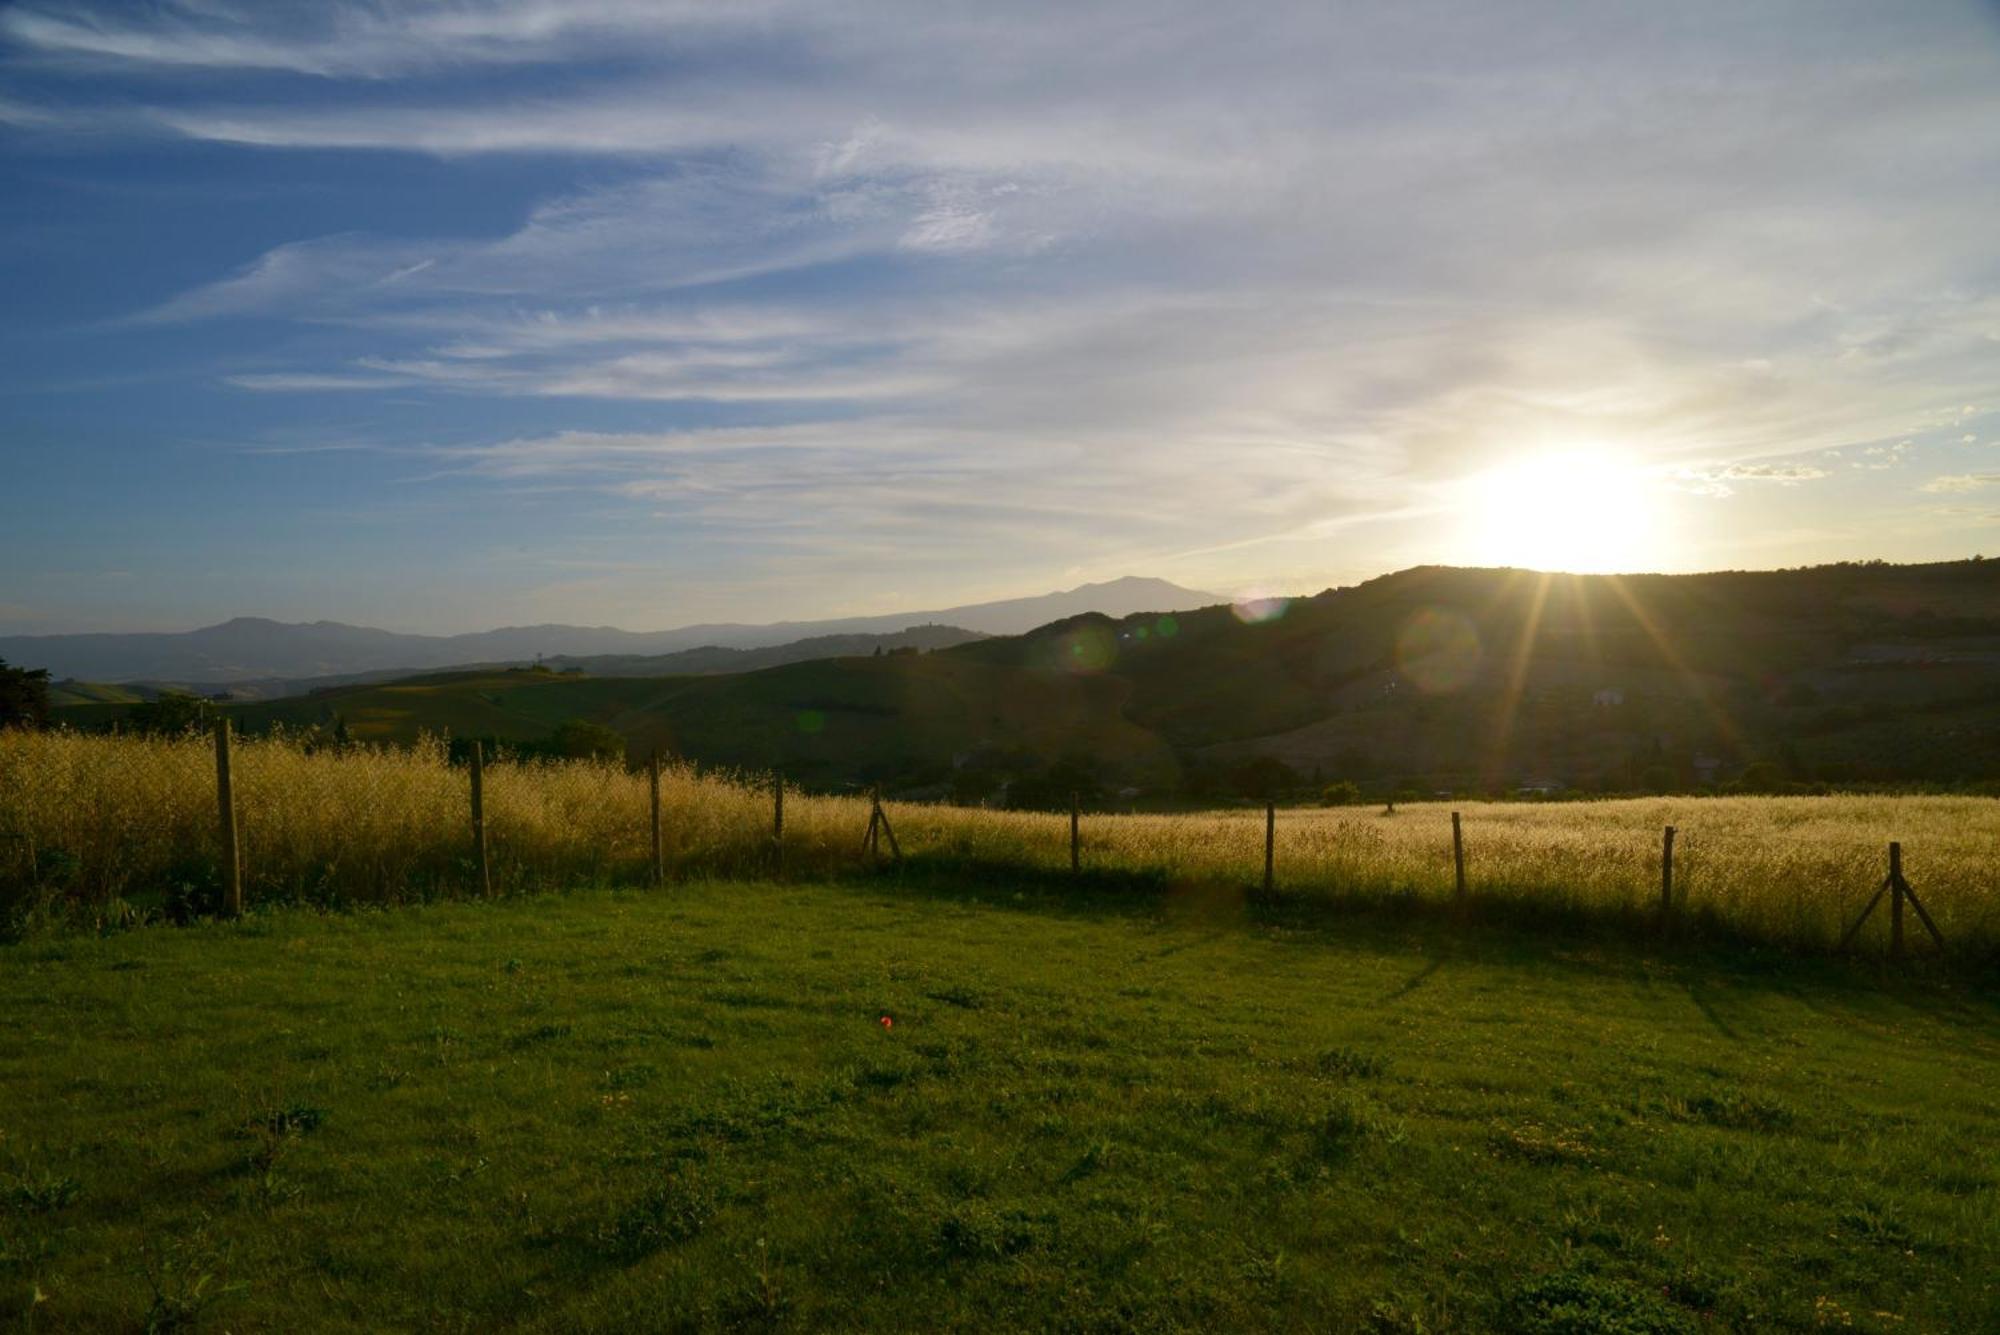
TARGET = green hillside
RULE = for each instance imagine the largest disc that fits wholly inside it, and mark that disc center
(897, 718)
(63, 694)
(1434, 677)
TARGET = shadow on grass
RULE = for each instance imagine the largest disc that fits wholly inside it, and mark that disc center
(1513, 929)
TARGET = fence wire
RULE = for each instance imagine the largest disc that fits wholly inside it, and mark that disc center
(127, 828)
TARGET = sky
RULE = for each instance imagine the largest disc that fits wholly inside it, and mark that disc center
(442, 316)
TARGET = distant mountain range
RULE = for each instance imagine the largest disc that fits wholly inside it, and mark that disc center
(707, 661)
(248, 649)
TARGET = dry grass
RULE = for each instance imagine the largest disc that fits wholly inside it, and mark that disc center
(109, 822)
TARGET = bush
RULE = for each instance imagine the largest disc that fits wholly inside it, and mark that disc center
(1344, 793)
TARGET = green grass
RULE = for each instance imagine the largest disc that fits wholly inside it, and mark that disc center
(623, 1110)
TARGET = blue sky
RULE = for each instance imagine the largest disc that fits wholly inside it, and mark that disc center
(444, 316)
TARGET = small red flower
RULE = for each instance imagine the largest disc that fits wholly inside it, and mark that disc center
(888, 1023)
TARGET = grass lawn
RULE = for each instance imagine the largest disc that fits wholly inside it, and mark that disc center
(627, 1110)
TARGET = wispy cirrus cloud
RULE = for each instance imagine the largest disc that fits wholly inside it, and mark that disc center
(1246, 288)
(341, 40)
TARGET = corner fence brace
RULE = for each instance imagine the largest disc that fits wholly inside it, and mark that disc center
(1899, 891)
(878, 826)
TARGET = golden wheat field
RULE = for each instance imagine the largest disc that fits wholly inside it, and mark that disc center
(109, 824)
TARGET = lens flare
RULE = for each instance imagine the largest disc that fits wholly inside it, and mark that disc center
(1253, 609)
(1086, 649)
(1438, 650)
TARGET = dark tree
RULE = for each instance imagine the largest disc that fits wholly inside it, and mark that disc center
(581, 739)
(1264, 778)
(1074, 777)
(171, 712)
(24, 697)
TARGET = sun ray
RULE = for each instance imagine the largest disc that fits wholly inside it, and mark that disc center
(1725, 727)
(1517, 675)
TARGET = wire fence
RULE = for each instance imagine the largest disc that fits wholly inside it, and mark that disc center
(127, 828)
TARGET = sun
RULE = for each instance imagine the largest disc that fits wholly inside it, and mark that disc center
(1578, 511)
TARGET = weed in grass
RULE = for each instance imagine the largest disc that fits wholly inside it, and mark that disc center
(294, 1120)
(762, 1303)
(43, 1194)
(185, 1276)
(1735, 1111)
(975, 1231)
(1577, 1301)
(1088, 1163)
(1346, 1062)
(387, 1076)
(667, 1214)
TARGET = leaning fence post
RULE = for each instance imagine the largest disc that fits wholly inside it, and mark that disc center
(880, 826)
(225, 805)
(653, 787)
(478, 758)
(1667, 872)
(1923, 914)
(1457, 858)
(1075, 837)
(1270, 843)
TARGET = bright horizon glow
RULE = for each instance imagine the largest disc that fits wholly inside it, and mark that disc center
(1583, 512)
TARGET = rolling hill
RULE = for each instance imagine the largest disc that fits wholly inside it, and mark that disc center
(1432, 677)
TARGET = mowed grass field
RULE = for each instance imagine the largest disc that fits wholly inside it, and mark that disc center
(685, 1110)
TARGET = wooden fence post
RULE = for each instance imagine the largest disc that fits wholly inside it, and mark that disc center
(225, 805)
(1270, 844)
(778, 818)
(479, 819)
(1667, 872)
(1457, 858)
(1075, 837)
(1898, 891)
(653, 789)
(1895, 900)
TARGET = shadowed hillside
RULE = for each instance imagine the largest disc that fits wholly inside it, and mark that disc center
(1432, 677)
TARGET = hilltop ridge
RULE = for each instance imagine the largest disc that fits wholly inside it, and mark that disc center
(1468, 679)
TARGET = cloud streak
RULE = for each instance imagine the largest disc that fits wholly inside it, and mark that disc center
(1237, 285)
